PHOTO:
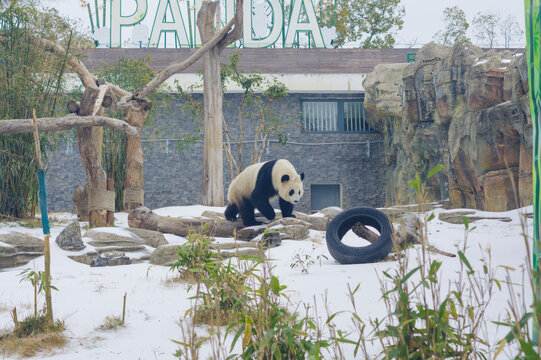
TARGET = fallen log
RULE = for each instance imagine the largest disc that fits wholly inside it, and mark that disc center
(144, 218)
(402, 238)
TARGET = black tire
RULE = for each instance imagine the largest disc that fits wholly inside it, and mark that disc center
(344, 221)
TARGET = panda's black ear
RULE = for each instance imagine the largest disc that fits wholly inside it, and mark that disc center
(285, 178)
(302, 176)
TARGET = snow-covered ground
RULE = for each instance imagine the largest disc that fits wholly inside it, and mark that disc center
(87, 295)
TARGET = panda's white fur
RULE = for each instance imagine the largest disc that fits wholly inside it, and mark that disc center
(277, 177)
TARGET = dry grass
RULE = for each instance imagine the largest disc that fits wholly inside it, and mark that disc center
(31, 345)
(189, 277)
(111, 323)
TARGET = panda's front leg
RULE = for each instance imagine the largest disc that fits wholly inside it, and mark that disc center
(286, 207)
(262, 204)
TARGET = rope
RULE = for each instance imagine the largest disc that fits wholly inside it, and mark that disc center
(134, 195)
(101, 200)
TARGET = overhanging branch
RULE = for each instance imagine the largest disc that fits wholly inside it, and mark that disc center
(68, 122)
(179, 66)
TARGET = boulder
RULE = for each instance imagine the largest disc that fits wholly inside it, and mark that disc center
(290, 228)
(17, 249)
(165, 255)
(70, 238)
(111, 258)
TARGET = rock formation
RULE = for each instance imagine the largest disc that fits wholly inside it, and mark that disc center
(462, 107)
(17, 249)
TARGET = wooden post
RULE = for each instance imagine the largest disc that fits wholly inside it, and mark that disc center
(44, 223)
(212, 192)
(110, 187)
(14, 316)
(133, 184)
(124, 308)
(213, 186)
(90, 142)
(35, 295)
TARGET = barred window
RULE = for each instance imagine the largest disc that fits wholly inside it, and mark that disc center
(333, 115)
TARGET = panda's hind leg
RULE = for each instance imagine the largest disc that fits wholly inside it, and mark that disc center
(246, 210)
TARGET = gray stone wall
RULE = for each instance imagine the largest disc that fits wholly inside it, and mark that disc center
(354, 161)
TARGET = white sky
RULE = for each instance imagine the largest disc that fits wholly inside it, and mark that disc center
(422, 20)
(424, 17)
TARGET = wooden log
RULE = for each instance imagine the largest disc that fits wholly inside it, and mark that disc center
(144, 218)
(402, 238)
(68, 122)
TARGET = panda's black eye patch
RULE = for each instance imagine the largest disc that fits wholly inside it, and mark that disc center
(299, 192)
(291, 192)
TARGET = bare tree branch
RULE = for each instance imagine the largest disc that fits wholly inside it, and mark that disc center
(179, 66)
(236, 34)
(64, 123)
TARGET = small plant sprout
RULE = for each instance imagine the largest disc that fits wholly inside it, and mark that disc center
(37, 279)
(303, 262)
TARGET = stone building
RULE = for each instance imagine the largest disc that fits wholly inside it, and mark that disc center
(327, 137)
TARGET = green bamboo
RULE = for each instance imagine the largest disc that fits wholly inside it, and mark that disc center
(27, 82)
(533, 36)
(97, 13)
(90, 17)
(104, 11)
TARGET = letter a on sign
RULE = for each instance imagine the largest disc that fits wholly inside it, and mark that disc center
(176, 25)
(118, 21)
(309, 26)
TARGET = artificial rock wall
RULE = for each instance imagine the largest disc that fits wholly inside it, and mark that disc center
(465, 108)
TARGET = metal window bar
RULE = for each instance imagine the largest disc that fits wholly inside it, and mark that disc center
(333, 116)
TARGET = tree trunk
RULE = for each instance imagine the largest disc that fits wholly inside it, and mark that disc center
(110, 187)
(133, 184)
(90, 141)
(213, 177)
(212, 193)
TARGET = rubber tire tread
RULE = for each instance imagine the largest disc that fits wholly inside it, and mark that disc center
(344, 221)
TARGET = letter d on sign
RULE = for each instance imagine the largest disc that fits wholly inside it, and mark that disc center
(117, 20)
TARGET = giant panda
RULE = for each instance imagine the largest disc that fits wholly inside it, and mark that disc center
(257, 184)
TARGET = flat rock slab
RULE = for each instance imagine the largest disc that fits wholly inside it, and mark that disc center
(17, 249)
(456, 217)
(167, 255)
(152, 238)
(122, 237)
(22, 242)
(107, 241)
